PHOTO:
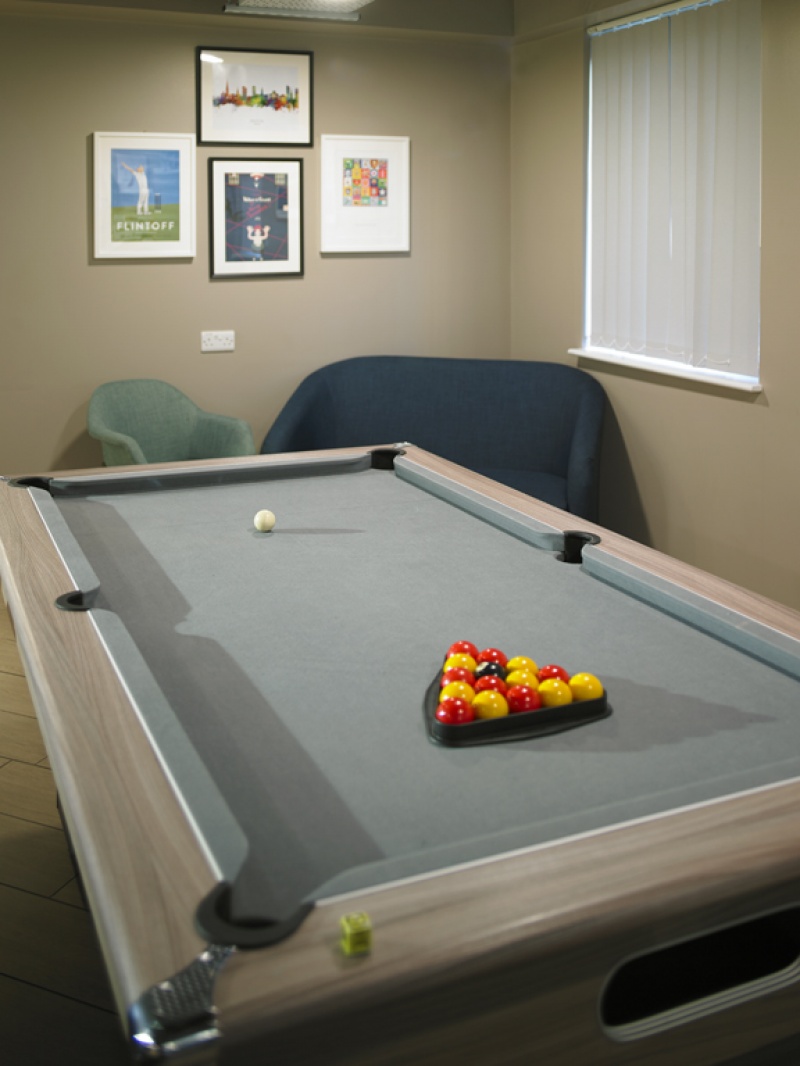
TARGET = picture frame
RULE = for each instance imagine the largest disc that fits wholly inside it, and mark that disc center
(365, 213)
(256, 217)
(254, 97)
(144, 195)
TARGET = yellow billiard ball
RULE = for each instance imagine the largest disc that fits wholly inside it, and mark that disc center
(458, 690)
(522, 677)
(460, 661)
(555, 692)
(585, 687)
(490, 704)
(522, 662)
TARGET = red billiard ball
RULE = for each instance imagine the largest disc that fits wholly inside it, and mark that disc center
(523, 698)
(457, 673)
(463, 647)
(550, 671)
(492, 655)
(490, 682)
(455, 712)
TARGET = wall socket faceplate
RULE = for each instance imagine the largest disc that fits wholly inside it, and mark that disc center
(218, 340)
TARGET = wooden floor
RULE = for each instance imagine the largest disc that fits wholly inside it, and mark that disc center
(55, 1004)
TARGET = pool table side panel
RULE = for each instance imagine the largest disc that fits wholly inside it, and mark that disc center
(523, 945)
(130, 835)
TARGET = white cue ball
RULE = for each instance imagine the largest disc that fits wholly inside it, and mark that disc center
(264, 521)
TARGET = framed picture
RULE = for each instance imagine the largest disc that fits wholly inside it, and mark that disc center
(144, 195)
(365, 194)
(260, 98)
(256, 217)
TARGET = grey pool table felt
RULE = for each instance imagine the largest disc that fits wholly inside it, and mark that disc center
(300, 659)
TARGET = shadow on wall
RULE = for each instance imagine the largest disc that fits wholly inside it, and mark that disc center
(620, 503)
(75, 449)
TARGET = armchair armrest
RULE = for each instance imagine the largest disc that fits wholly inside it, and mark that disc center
(118, 448)
(222, 435)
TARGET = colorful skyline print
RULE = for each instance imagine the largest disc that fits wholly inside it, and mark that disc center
(252, 100)
(365, 182)
(288, 100)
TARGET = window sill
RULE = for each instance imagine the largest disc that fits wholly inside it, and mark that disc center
(737, 382)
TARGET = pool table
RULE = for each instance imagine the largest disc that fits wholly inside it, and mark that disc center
(239, 727)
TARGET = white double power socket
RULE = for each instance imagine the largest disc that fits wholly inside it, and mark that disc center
(218, 340)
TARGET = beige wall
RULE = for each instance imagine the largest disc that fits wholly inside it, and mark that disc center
(70, 323)
(496, 269)
(707, 475)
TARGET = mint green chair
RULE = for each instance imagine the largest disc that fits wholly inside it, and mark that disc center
(148, 421)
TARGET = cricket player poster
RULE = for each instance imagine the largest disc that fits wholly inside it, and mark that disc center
(144, 195)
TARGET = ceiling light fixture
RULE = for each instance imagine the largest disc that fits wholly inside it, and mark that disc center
(329, 10)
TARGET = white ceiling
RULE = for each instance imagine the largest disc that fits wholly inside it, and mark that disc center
(493, 18)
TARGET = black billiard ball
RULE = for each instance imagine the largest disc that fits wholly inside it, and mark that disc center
(490, 670)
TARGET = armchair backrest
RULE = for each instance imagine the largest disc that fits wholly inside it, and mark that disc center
(144, 420)
(533, 425)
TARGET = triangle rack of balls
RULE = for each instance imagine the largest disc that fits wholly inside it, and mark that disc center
(508, 697)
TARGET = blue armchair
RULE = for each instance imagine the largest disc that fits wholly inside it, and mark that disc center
(148, 421)
(533, 426)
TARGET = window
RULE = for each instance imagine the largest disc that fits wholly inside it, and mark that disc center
(673, 213)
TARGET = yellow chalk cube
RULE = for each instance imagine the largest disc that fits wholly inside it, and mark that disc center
(356, 932)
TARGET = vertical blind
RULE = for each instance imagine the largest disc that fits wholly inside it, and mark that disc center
(673, 242)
